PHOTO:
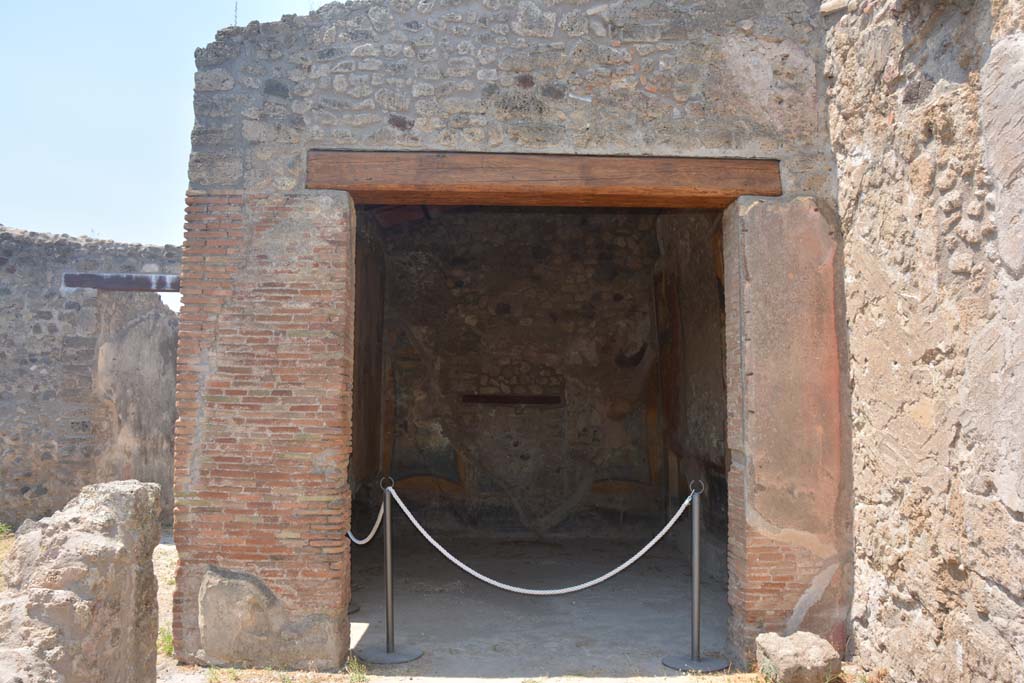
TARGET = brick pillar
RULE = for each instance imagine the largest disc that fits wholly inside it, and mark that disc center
(789, 498)
(264, 433)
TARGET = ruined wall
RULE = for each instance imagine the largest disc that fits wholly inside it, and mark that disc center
(704, 78)
(86, 378)
(262, 447)
(367, 414)
(790, 555)
(926, 109)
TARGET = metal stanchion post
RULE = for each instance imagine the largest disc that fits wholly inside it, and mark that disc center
(694, 662)
(389, 654)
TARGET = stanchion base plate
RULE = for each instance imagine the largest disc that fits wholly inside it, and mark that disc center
(353, 607)
(704, 664)
(380, 655)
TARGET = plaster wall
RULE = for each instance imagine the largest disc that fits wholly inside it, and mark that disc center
(690, 298)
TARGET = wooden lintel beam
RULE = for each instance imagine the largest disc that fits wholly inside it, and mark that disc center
(452, 178)
(513, 399)
(124, 282)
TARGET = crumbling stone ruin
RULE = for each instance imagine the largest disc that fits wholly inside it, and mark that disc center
(798, 658)
(820, 316)
(846, 365)
(86, 377)
(270, 289)
(80, 604)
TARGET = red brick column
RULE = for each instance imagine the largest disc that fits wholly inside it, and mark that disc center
(789, 497)
(264, 435)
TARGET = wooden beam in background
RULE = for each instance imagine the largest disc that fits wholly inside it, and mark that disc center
(446, 178)
(124, 282)
(513, 399)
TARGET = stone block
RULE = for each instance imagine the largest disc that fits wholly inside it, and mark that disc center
(799, 658)
(81, 600)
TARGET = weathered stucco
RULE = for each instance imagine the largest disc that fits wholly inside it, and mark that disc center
(690, 298)
(86, 378)
(789, 489)
(926, 111)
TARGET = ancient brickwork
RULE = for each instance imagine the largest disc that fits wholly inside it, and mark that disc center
(86, 378)
(262, 447)
(926, 110)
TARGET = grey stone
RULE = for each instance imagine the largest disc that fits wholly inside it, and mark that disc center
(214, 79)
(81, 600)
(799, 658)
(391, 41)
(241, 622)
(89, 396)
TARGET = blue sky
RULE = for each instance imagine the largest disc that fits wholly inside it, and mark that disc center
(96, 111)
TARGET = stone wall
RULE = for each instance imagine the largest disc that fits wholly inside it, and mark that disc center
(86, 378)
(704, 78)
(926, 110)
(690, 295)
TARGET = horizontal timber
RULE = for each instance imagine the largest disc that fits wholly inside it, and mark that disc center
(124, 282)
(512, 399)
(449, 178)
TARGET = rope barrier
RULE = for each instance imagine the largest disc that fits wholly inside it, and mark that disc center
(373, 531)
(534, 591)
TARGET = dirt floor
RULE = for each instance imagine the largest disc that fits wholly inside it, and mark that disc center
(366, 625)
(621, 628)
(505, 647)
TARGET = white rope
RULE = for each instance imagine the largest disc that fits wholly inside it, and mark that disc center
(373, 531)
(546, 591)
